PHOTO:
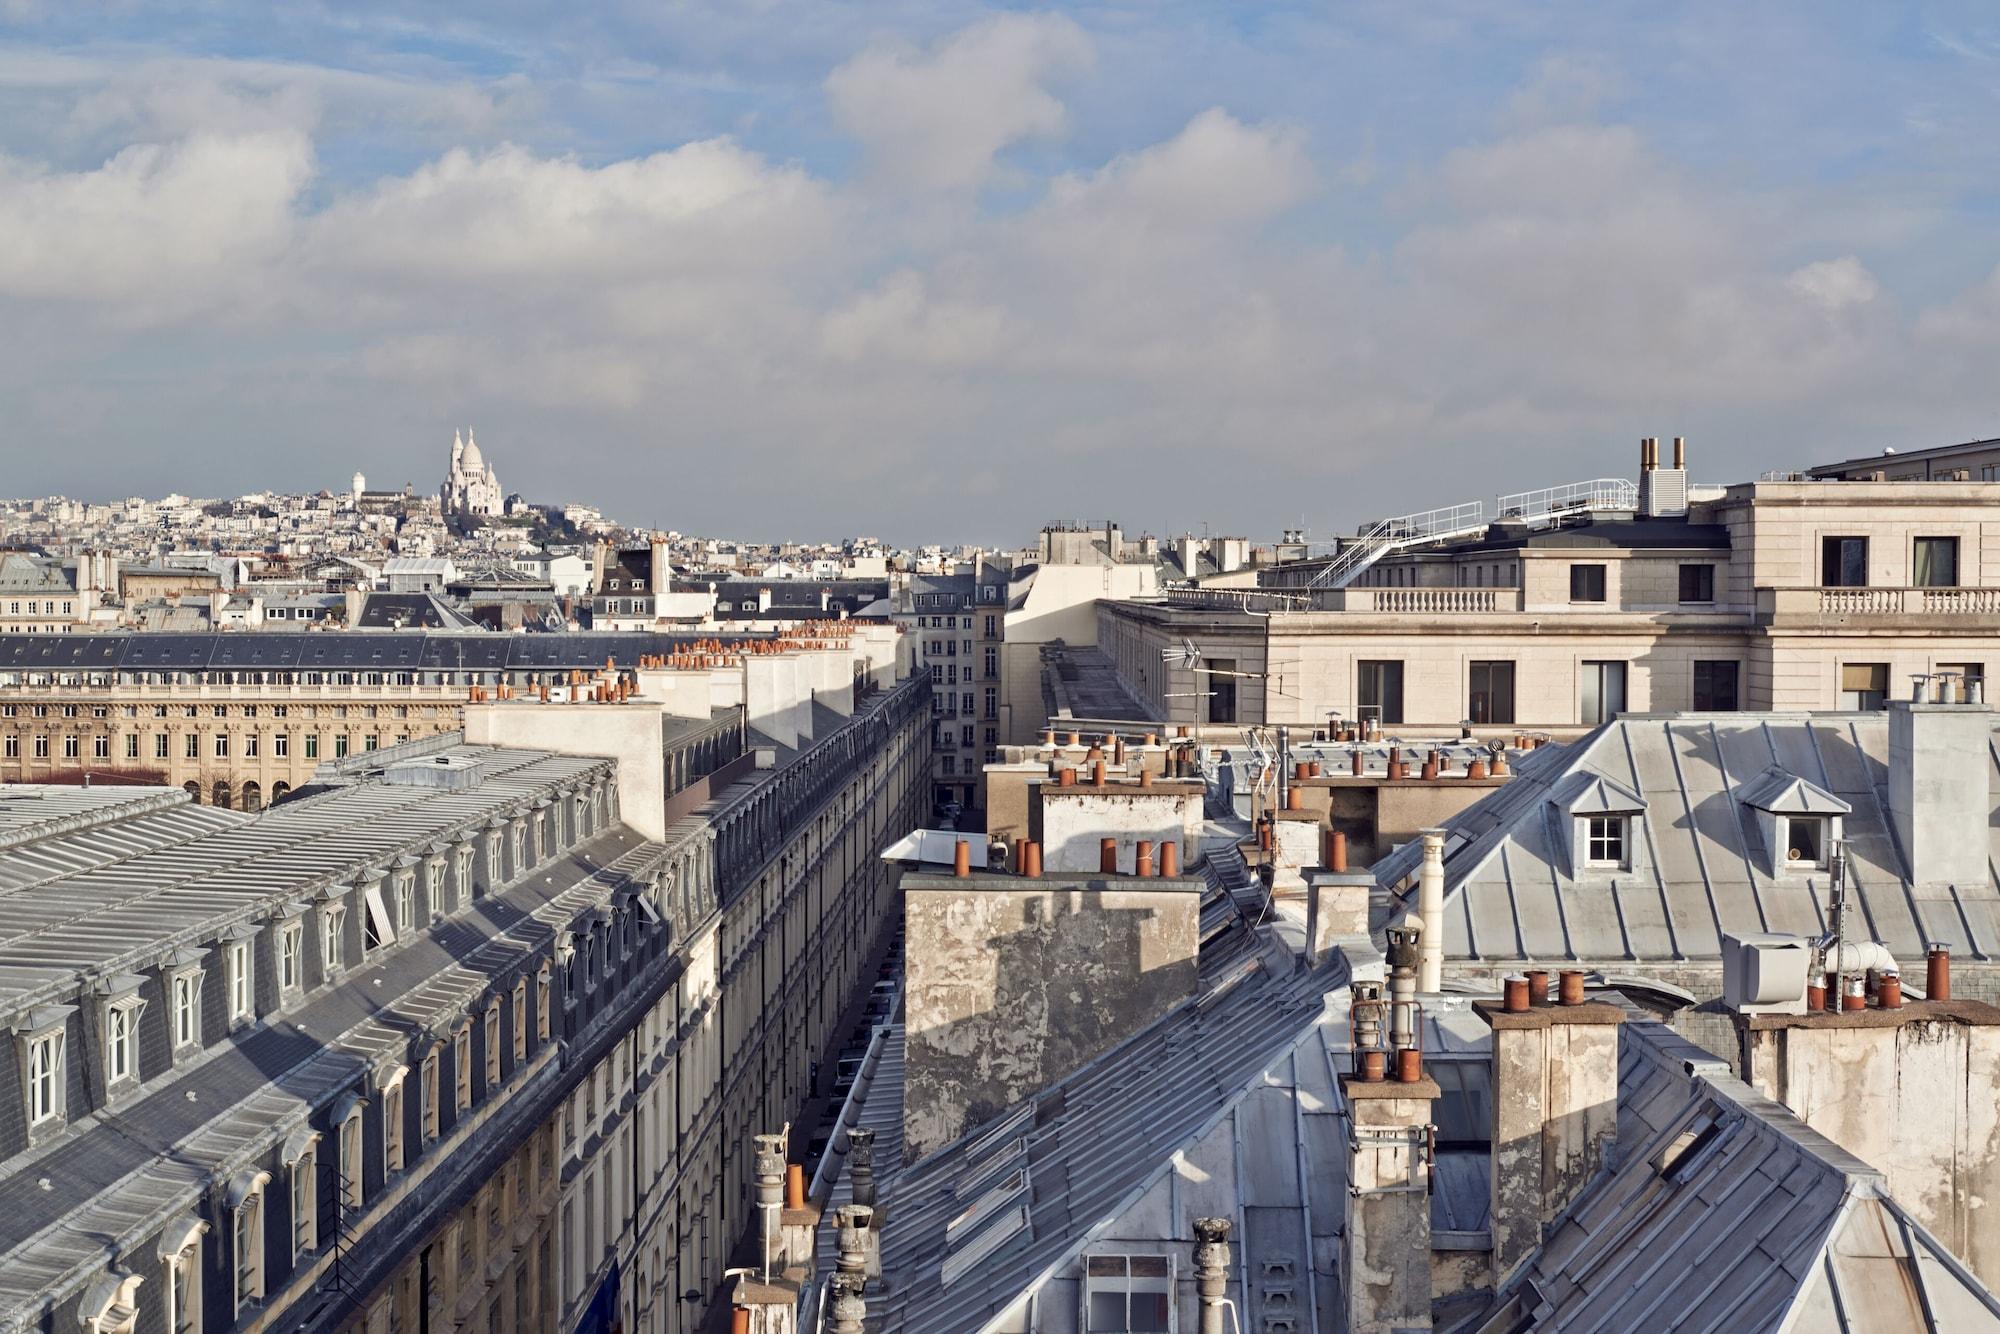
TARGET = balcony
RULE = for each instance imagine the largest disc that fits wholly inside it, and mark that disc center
(1942, 609)
(1425, 601)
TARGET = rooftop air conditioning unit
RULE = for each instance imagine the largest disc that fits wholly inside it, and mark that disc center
(1765, 974)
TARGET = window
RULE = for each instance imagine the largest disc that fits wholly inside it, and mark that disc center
(461, 1058)
(312, 745)
(1843, 562)
(305, 1204)
(331, 953)
(1605, 842)
(1715, 687)
(493, 1045)
(542, 1003)
(1697, 583)
(1379, 691)
(249, 1250)
(121, 1041)
(291, 956)
(13, 747)
(132, 746)
(1491, 698)
(339, 746)
(193, 748)
(237, 971)
(1129, 1294)
(392, 1127)
(69, 747)
(281, 745)
(520, 1021)
(42, 747)
(250, 746)
(187, 1008)
(428, 1094)
(351, 1181)
(100, 747)
(406, 903)
(1864, 685)
(45, 1077)
(1603, 692)
(159, 745)
(1805, 841)
(1935, 562)
(222, 745)
(184, 1289)
(493, 874)
(1586, 583)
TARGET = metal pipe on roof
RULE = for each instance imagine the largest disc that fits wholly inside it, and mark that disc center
(1430, 912)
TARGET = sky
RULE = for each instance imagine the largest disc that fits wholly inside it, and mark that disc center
(942, 271)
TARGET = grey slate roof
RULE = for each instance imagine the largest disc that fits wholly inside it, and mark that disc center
(1511, 896)
(1728, 1213)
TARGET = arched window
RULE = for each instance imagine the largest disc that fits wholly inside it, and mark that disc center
(111, 1304)
(180, 1265)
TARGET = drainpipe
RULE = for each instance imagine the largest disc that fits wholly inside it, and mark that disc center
(1211, 1271)
(1430, 911)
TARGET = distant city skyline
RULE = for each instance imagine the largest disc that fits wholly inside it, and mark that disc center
(876, 267)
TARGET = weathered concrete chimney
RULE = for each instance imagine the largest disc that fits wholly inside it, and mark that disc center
(1555, 1112)
(1938, 798)
(1014, 983)
(1386, 1243)
(1914, 1090)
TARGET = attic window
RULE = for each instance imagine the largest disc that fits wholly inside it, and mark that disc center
(1129, 1293)
(1606, 846)
(1805, 841)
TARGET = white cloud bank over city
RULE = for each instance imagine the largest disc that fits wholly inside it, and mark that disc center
(1236, 319)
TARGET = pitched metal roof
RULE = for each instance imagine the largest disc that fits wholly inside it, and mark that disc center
(1510, 894)
(1728, 1213)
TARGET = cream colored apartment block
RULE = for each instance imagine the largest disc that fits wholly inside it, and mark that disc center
(1815, 595)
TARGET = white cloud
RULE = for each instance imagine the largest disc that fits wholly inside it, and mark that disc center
(937, 118)
(1835, 284)
(156, 231)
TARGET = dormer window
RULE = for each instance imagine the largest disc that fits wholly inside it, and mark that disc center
(185, 988)
(1605, 843)
(291, 957)
(1798, 821)
(240, 979)
(332, 956)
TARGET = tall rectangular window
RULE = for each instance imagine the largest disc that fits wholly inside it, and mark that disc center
(291, 956)
(1715, 687)
(1586, 583)
(392, 1128)
(45, 1077)
(1491, 696)
(461, 1057)
(305, 1205)
(351, 1181)
(159, 745)
(1602, 690)
(187, 1009)
(427, 1092)
(1379, 691)
(1697, 583)
(1934, 562)
(1843, 562)
(131, 745)
(249, 1250)
(1864, 685)
(1128, 1294)
(121, 1043)
(236, 957)
(312, 745)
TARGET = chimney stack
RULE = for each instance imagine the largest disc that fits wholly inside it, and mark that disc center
(1555, 1107)
(1386, 1238)
(1938, 757)
(1430, 911)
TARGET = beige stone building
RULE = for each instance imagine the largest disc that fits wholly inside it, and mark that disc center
(1766, 595)
(241, 719)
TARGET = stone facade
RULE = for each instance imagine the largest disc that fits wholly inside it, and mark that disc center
(1734, 607)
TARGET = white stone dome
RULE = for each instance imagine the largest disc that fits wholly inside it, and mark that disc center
(471, 460)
